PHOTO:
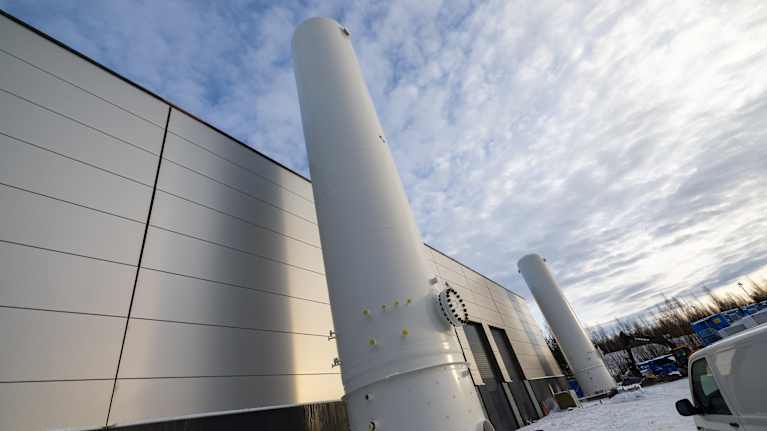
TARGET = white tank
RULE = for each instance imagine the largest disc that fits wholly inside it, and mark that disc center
(584, 359)
(402, 366)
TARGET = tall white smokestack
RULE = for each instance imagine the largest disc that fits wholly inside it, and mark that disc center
(402, 366)
(587, 364)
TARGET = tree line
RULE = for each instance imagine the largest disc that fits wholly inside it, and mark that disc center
(672, 318)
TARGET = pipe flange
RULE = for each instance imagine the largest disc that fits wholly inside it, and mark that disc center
(452, 307)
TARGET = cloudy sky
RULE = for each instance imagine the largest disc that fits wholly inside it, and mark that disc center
(625, 141)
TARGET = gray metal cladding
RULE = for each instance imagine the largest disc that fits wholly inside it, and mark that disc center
(76, 177)
(218, 228)
(136, 399)
(37, 278)
(169, 349)
(161, 295)
(232, 288)
(454, 277)
(70, 180)
(54, 405)
(237, 176)
(180, 254)
(194, 131)
(523, 348)
(45, 90)
(45, 345)
(187, 184)
(36, 126)
(49, 223)
(52, 59)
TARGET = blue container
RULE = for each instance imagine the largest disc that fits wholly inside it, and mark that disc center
(733, 315)
(576, 387)
(701, 326)
(660, 366)
(707, 328)
(718, 321)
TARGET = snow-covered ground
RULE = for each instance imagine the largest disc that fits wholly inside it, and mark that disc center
(651, 409)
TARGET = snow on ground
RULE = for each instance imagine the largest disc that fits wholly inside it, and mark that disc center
(650, 409)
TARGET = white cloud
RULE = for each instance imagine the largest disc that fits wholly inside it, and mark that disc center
(624, 141)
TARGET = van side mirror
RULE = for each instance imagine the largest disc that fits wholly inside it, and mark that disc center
(686, 408)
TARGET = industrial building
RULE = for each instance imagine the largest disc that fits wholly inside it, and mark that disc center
(156, 269)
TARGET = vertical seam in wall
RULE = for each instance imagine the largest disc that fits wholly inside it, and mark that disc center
(138, 266)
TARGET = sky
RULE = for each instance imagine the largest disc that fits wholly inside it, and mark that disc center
(625, 141)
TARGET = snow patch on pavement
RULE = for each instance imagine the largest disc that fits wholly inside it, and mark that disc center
(647, 409)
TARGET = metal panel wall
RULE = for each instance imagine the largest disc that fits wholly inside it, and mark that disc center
(231, 306)
(48, 91)
(165, 296)
(44, 345)
(220, 197)
(239, 176)
(490, 303)
(165, 398)
(49, 58)
(221, 146)
(79, 155)
(49, 405)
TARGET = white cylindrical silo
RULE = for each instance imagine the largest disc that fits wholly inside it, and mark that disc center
(402, 366)
(584, 359)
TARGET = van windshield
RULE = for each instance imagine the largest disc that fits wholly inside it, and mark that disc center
(705, 390)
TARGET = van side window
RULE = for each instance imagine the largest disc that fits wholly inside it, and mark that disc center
(705, 391)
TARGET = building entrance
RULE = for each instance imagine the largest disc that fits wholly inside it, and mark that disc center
(517, 385)
(497, 404)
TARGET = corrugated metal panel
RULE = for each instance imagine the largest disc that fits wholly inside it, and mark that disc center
(496, 352)
(469, 354)
(497, 404)
(482, 353)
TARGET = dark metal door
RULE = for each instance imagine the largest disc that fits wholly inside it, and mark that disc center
(517, 385)
(492, 394)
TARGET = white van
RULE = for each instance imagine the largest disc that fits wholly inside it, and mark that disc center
(728, 382)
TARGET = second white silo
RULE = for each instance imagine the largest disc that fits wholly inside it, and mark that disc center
(584, 359)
